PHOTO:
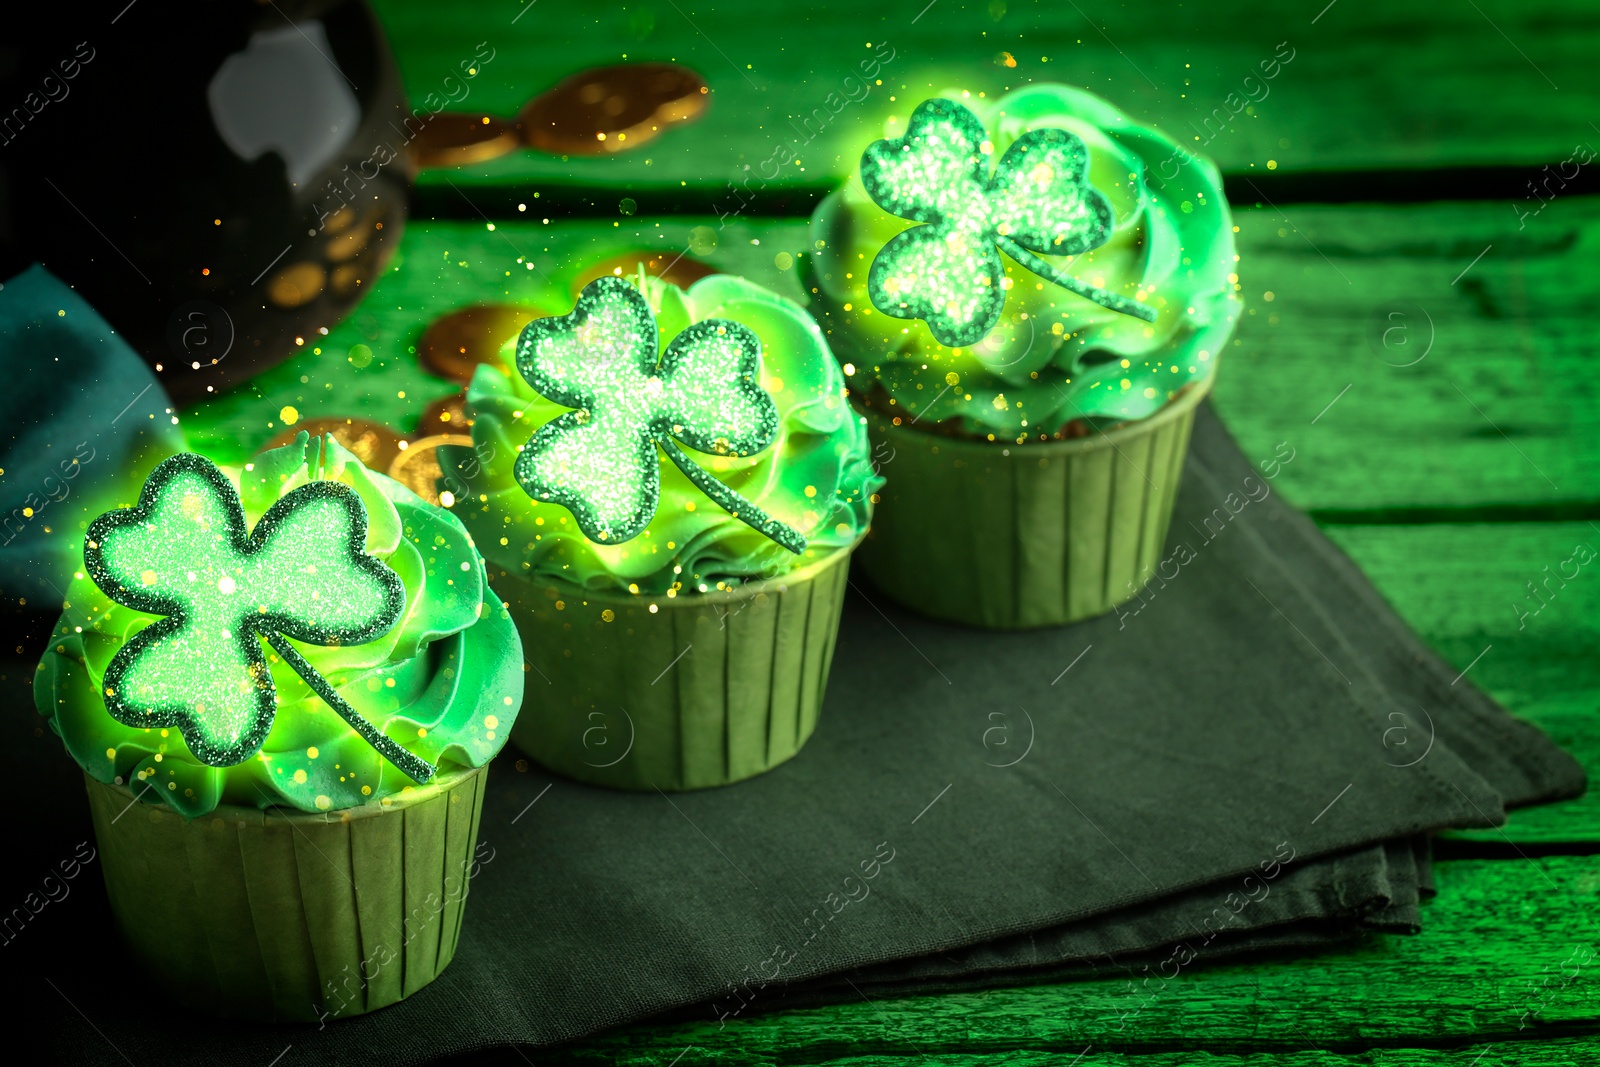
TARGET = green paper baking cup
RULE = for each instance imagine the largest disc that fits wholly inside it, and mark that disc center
(1011, 537)
(686, 692)
(286, 915)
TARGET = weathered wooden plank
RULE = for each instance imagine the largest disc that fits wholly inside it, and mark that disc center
(1498, 407)
(1465, 589)
(1506, 944)
(1439, 85)
(1561, 1053)
(1558, 1052)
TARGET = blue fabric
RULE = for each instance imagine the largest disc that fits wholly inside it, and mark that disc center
(83, 421)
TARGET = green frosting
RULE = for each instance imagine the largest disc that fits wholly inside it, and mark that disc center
(1054, 356)
(816, 477)
(445, 682)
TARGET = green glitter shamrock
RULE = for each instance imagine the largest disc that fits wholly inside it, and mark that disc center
(183, 552)
(948, 272)
(605, 360)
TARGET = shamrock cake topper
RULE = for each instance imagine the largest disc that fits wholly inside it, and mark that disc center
(1037, 201)
(605, 360)
(184, 552)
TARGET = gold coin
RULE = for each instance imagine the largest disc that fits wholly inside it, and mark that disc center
(680, 270)
(295, 284)
(348, 245)
(417, 467)
(339, 220)
(374, 445)
(345, 277)
(453, 345)
(612, 109)
(457, 138)
(446, 415)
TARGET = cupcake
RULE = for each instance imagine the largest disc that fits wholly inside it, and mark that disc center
(1029, 296)
(284, 685)
(667, 485)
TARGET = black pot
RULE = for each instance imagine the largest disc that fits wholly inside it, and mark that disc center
(215, 176)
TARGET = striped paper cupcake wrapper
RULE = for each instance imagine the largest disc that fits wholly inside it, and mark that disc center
(686, 692)
(1011, 537)
(288, 915)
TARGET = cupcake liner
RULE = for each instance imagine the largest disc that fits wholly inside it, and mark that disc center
(1012, 537)
(686, 692)
(288, 915)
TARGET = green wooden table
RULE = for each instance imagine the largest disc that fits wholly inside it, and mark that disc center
(1429, 360)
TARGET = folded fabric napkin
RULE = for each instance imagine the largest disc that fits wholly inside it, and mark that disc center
(1213, 770)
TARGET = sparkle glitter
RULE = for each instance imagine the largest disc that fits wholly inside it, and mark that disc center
(183, 552)
(601, 461)
(948, 272)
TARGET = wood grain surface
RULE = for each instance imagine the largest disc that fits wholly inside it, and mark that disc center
(1370, 86)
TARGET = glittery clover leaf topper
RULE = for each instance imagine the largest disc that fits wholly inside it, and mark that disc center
(184, 552)
(948, 272)
(605, 360)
